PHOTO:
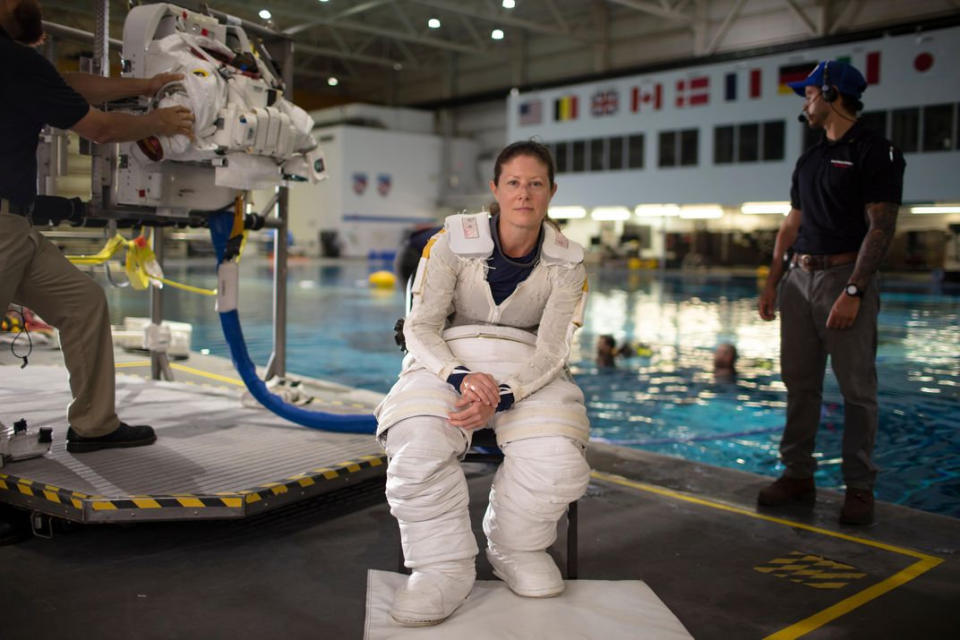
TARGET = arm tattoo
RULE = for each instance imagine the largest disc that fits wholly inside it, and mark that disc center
(883, 221)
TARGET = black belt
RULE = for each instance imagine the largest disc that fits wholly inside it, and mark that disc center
(17, 209)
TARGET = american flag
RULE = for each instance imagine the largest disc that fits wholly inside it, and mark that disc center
(604, 103)
(531, 112)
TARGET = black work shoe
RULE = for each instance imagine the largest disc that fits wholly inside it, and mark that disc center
(857, 507)
(786, 490)
(124, 436)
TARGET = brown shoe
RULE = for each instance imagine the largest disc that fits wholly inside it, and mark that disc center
(786, 490)
(857, 507)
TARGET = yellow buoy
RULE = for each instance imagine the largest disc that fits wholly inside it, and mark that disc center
(634, 263)
(382, 279)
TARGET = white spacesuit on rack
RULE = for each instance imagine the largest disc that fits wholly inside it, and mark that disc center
(523, 343)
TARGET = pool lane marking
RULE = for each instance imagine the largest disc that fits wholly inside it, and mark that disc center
(925, 562)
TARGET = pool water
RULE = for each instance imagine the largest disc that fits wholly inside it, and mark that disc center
(664, 398)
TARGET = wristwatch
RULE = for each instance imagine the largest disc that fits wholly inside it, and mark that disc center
(853, 290)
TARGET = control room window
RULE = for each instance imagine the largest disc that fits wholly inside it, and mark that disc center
(560, 156)
(615, 154)
(668, 149)
(938, 127)
(723, 145)
(906, 129)
(596, 154)
(773, 133)
(748, 146)
(689, 147)
(635, 151)
(577, 160)
(876, 120)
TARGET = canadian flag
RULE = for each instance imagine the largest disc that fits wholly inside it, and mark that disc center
(695, 91)
(647, 97)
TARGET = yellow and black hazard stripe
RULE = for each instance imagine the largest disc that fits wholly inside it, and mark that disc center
(229, 499)
(341, 470)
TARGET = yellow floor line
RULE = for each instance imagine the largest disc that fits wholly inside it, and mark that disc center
(925, 563)
(135, 363)
(206, 374)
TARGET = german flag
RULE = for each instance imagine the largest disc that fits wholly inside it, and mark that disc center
(565, 108)
(793, 73)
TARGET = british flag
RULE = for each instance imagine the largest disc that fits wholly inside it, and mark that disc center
(604, 103)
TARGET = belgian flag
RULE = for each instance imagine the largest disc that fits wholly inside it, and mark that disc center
(565, 108)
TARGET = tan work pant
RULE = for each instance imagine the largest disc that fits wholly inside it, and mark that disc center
(805, 342)
(35, 274)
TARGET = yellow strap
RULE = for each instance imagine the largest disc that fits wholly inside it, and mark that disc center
(139, 256)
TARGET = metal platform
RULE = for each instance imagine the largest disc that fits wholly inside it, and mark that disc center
(214, 458)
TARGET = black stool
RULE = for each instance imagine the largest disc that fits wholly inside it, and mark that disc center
(484, 449)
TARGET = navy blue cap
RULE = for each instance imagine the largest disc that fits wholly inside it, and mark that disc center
(841, 75)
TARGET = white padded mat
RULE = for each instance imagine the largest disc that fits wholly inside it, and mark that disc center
(602, 609)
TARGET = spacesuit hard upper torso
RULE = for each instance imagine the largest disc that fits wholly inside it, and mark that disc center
(522, 342)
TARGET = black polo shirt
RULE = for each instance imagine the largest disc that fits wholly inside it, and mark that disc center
(832, 184)
(32, 94)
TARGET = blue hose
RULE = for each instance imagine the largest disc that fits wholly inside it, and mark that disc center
(220, 227)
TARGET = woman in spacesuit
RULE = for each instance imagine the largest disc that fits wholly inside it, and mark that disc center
(495, 302)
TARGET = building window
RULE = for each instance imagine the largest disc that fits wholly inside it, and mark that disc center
(723, 145)
(938, 127)
(689, 147)
(773, 133)
(578, 155)
(596, 154)
(615, 154)
(906, 129)
(876, 120)
(635, 151)
(668, 149)
(560, 156)
(748, 144)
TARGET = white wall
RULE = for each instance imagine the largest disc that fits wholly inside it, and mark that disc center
(930, 176)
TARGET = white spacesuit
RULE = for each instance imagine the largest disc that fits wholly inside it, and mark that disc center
(523, 342)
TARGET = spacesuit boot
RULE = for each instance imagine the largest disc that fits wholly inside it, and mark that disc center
(427, 493)
(539, 477)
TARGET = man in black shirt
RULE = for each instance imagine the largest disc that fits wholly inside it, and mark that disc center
(844, 200)
(32, 271)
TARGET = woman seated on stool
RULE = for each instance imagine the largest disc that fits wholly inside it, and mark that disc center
(495, 302)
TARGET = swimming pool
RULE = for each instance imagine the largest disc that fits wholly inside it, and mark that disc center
(664, 399)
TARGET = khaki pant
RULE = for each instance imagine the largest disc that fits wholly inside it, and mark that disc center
(35, 274)
(805, 342)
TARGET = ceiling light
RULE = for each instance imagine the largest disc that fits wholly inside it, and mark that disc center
(433, 23)
(656, 211)
(936, 209)
(333, 81)
(397, 66)
(567, 213)
(265, 14)
(701, 211)
(509, 4)
(497, 34)
(758, 208)
(610, 213)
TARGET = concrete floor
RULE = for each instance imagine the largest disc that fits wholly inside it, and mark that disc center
(690, 531)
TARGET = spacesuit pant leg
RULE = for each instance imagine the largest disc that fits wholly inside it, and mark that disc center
(427, 493)
(539, 477)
